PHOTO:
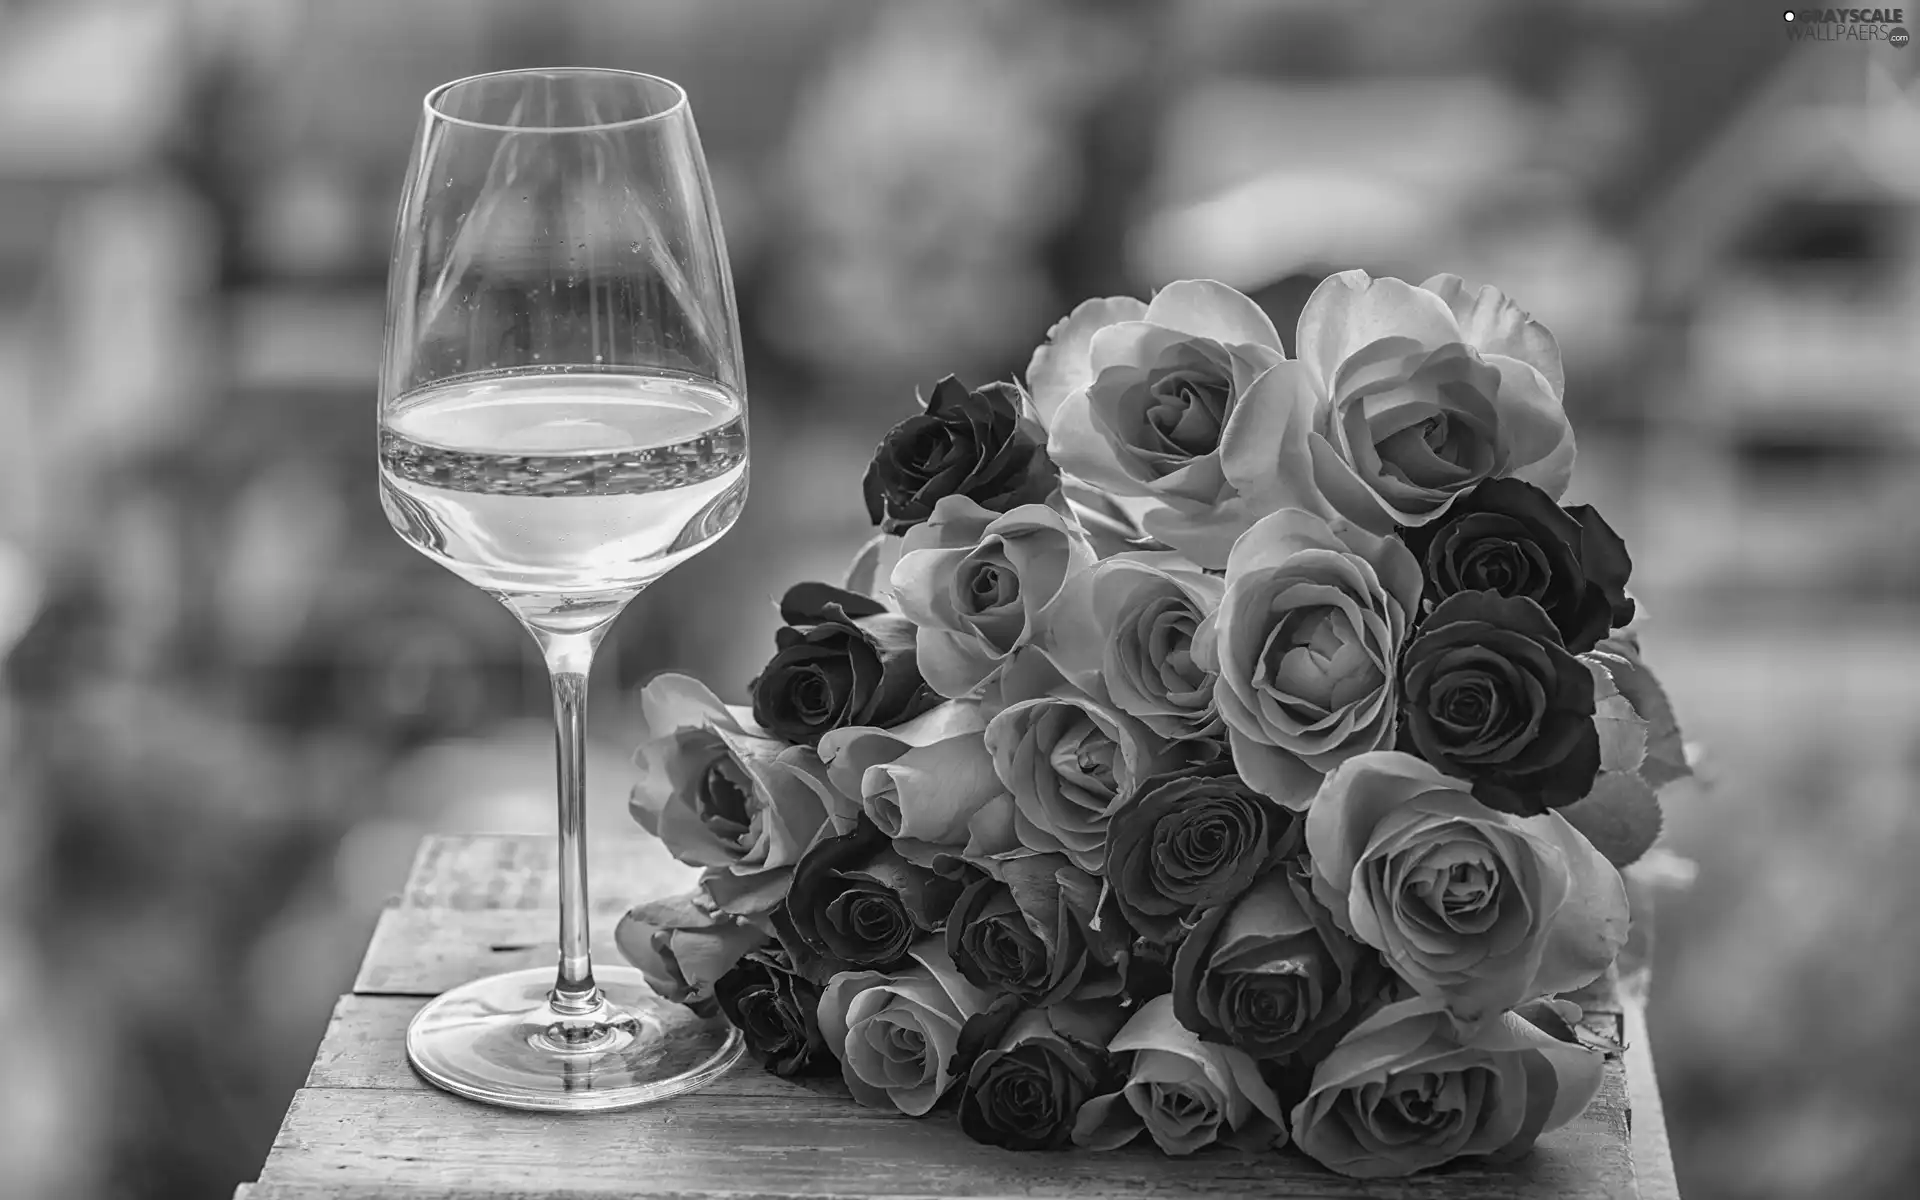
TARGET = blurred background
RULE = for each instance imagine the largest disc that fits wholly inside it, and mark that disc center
(233, 700)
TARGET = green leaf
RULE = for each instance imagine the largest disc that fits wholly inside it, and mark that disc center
(1623, 734)
(1666, 758)
(1620, 816)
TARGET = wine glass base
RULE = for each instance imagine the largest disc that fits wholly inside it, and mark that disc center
(500, 1041)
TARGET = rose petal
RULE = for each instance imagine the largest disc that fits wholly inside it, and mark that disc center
(1350, 309)
(682, 946)
(923, 780)
(1534, 428)
(1265, 450)
(1494, 324)
(1060, 366)
(1591, 926)
(1204, 308)
(1106, 1123)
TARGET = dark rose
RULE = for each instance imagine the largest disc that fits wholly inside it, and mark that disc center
(1188, 841)
(855, 904)
(1272, 974)
(1028, 929)
(1029, 1070)
(843, 660)
(1489, 694)
(976, 444)
(777, 1010)
(1508, 536)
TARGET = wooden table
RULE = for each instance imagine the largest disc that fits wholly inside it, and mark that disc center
(365, 1126)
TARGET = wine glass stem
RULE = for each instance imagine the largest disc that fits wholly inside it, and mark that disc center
(569, 661)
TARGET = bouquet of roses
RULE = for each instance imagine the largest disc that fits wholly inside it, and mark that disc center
(1212, 745)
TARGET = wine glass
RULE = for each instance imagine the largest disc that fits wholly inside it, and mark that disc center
(562, 421)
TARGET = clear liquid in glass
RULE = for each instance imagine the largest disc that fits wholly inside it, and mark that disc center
(564, 484)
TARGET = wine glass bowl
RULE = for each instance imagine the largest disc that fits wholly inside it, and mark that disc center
(562, 421)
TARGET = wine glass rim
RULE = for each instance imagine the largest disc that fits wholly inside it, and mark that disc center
(436, 113)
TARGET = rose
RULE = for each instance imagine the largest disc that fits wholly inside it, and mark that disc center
(683, 945)
(1507, 536)
(1188, 841)
(1272, 974)
(1183, 1092)
(1139, 399)
(1304, 643)
(776, 1010)
(856, 903)
(1402, 399)
(1028, 1071)
(1128, 626)
(720, 793)
(929, 782)
(1067, 760)
(842, 660)
(1477, 908)
(980, 444)
(1404, 1093)
(1027, 926)
(981, 587)
(1489, 694)
(896, 1034)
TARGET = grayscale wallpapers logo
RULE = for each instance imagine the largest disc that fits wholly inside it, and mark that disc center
(1848, 25)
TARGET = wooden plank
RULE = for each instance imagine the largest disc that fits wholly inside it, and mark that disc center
(717, 1143)
(360, 1191)
(365, 1126)
(490, 871)
(1647, 1118)
(326, 1138)
(425, 951)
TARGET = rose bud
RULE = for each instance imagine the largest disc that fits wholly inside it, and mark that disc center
(1508, 536)
(683, 945)
(1067, 760)
(897, 1034)
(776, 1010)
(1272, 974)
(1404, 1092)
(1305, 643)
(1027, 929)
(1183, 1093)
(1189, 841)
(1474, 907)
(856, 904)
(928, 782)
(1028, 1071)
(1128, 628)
(1489, 694)
(980, 444)
(984, 588)
(842, 660)
(719, 793)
